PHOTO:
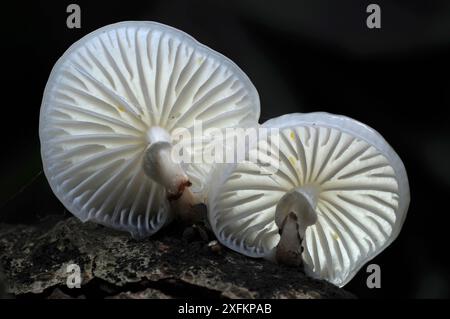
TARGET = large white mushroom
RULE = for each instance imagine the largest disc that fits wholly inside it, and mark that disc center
(109, 112)
(338, 196)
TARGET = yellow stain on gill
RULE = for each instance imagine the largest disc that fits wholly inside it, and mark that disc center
(335, 236)
(293, 161)
(292, 135)
(121, 108)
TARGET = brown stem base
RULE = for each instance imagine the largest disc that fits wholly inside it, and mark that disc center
(289, 248)
(186, 205)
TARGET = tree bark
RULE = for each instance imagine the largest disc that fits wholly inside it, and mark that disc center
(113, 265)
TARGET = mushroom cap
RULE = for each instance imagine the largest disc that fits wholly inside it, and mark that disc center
(104, 94)
(362, 186)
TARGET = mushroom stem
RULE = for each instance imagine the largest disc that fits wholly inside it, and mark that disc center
(294, 213)
(289, 250)
(161, 168)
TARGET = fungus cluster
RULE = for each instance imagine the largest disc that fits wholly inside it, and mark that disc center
(338, 197)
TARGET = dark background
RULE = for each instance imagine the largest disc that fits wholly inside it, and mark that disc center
(302, 56)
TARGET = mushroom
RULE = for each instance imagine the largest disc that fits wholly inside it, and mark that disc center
(108, 119)
(337, 197)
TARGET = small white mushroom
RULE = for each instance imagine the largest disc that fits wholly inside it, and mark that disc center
(110, 107)
(338, 198)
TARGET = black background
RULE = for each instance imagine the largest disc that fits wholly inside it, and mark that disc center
(302, 56)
